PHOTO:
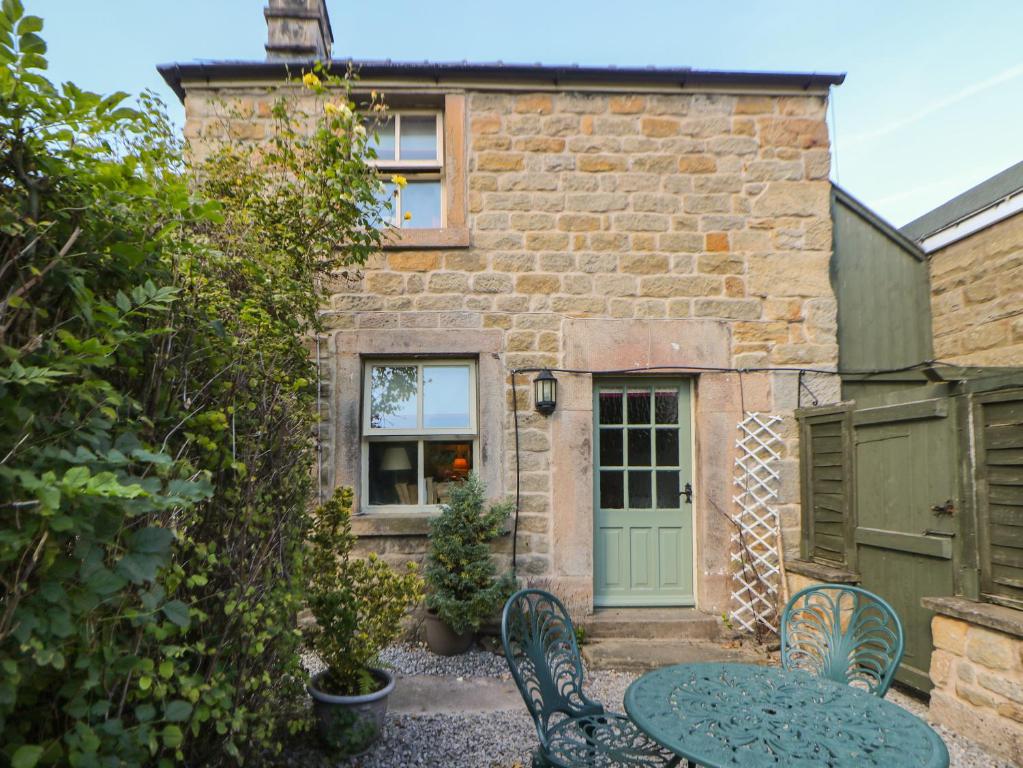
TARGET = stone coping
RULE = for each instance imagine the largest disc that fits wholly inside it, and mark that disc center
(829, 574)
(997, 617)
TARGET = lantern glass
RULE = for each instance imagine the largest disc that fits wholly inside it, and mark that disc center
(545, 392)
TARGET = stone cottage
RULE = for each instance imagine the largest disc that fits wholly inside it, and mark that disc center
(659, 238)
(975, 246)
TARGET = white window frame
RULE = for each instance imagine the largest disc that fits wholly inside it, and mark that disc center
(414, 170)
(419, 434)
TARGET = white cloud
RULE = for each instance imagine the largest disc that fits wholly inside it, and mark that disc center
(971, 90)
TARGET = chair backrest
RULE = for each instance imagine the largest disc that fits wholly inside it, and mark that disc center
(539, 643)
(843, 633)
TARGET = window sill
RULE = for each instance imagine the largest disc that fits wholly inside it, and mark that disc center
(421, 239)
(414, 522)
(997, 617)
(829, 574)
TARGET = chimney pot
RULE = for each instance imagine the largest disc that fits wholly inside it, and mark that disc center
(297, 30)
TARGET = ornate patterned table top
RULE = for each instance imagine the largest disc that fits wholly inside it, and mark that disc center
(731, 715)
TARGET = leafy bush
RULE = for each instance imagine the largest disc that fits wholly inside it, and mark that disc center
(358, 604)
(462, 587)
(156, 406)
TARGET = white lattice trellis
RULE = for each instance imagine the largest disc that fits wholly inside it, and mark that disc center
(756, 569)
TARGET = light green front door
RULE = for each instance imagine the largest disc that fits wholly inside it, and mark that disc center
(643, 521)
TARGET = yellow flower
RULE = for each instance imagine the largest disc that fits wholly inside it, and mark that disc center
(399, 180)
(309, 80)
(408, 216)
(331, 109)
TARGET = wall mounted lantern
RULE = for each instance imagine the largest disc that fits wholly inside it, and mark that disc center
(545, 392)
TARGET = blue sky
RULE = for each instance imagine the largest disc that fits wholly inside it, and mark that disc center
(933, 102)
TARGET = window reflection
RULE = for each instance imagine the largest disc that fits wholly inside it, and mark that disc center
(393, 397)
(446, 396)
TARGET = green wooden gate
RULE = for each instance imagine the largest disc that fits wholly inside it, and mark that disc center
(906, 477)
(643, 520)
(880, 488)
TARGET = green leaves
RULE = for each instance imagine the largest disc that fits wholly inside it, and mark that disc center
(156, 403)
(177, 612)
(27, 755)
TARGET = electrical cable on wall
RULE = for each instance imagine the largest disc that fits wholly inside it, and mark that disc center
(801, 385)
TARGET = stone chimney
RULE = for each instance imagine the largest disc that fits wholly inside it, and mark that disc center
(297, 30)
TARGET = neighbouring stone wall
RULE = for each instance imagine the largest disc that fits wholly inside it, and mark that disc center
(978, 684)
(608, 231)
(977, 297)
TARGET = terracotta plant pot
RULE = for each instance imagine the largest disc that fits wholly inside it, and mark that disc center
(350, 725)
(442, 639)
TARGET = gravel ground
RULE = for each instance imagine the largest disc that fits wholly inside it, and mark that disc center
(506, 739)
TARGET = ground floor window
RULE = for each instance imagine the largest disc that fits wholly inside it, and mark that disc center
(419, 430)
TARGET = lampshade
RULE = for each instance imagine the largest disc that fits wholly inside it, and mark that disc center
(395, 459)
(545, 392)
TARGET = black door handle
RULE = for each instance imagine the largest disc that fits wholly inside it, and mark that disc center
(688, 493)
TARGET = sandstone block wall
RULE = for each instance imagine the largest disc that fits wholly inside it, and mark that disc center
(977, 297)
(978, 678)
(620, 230)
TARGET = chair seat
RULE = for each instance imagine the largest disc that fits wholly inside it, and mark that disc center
(604, 741)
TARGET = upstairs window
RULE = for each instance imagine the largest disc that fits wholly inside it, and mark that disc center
(419, 431)
(410, 144)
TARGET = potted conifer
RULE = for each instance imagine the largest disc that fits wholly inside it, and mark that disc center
(463, 589)
(358, 605)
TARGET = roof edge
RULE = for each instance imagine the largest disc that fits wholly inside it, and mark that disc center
(174, 73)
(878, 222)
(971, 202)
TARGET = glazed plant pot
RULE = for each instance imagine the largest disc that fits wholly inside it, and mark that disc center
(350, 725)
(442, 639)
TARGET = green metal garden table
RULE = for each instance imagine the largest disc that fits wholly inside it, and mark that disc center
(732, 715)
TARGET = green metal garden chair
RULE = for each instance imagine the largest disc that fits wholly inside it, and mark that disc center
(842, 633)
(574, 731)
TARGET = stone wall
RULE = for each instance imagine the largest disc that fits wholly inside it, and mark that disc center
(978, 684)
(977, 297)
(607, 231)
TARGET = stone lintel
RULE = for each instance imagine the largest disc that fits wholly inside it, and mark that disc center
(997, 617)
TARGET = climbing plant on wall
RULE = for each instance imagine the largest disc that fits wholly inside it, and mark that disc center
(156, 407)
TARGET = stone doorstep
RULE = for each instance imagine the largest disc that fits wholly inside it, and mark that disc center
(643, 655)
(678, 624)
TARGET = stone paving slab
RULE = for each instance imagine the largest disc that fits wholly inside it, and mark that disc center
(630, 655)
(449, 695)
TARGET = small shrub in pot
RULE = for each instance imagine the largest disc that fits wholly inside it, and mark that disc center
(358, 605)
(463, 589)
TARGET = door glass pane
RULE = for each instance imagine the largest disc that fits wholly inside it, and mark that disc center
(446, 396)
(611, 448)
(418, 137)
(639, 490)
(667, 447)
(393, 473)
(666, 407)
(610, 407)
(612, 490)
(444, 464)
(639, 407)
(668, 490)
(393, 397)
(639, 448)
(383, 141)
(420, 205)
